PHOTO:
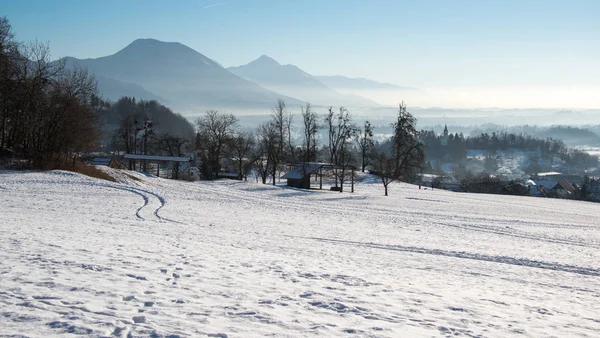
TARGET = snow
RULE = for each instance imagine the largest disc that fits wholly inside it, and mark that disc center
(156, 257)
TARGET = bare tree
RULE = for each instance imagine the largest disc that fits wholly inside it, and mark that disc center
(215, 130)
(311, 127)
(385, 168)
(8, 69)
(280, 121)
(364, 140)
(268, 143)
(172, 146)
(291, 155)
(340, 131)
(242, 146)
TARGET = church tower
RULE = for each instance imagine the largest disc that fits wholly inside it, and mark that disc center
(445, 136)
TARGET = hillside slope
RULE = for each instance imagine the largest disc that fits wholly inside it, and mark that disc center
(154, 257)
(113, 90)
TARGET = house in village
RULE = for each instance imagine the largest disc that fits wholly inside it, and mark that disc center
(564, 189)
(556, 176)
(541, 187)
(438, 182)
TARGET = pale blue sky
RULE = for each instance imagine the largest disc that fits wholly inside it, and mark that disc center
(473, 44)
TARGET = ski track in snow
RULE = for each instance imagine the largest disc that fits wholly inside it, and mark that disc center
(160, 258)
(466, 255)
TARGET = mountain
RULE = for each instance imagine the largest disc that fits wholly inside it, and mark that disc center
(180, 75)
(293, 81)
(346, 83)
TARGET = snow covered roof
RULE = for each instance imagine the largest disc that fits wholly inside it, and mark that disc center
(302, 170)
(550, 173)
(157, 158)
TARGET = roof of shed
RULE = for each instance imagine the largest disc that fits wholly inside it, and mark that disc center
(302, 170)
(156, 158)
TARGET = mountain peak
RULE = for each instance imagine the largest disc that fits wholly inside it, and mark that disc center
(163, 53)
(147, 43)
(266, 60)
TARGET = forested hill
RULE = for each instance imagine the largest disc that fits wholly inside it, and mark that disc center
(117, 119)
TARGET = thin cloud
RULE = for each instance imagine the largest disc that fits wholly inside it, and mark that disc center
(215, 5)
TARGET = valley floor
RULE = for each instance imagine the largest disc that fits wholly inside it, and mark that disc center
(154, 257)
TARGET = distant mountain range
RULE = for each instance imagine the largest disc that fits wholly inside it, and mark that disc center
(179, 76)
(183, 77)
(293, 81)
(346, 83)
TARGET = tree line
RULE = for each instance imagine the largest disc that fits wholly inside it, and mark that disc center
(455, 147)
(268, 150)
(45, 107)
(142, 127)
(50, 113)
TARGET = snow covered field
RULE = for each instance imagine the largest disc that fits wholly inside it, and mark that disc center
(153, 257)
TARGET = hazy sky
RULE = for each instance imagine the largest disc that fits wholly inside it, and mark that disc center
(474, 53)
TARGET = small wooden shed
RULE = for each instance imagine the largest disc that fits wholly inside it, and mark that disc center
(299, 175)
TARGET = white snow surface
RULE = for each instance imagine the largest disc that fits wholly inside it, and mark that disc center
(163, 258)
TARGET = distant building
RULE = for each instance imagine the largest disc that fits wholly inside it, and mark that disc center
(444, 140)
(299, 176)
(557, 176)
(541, 187)
(564, 189)
(194, 173)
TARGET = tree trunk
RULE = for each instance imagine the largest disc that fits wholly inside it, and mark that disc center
(274, 173)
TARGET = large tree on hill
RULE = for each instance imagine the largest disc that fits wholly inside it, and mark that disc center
(242, 147)
(268, 141)
(364, 140)
(340, 131)
(279, 151)
(311, 128)
(402, 155)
